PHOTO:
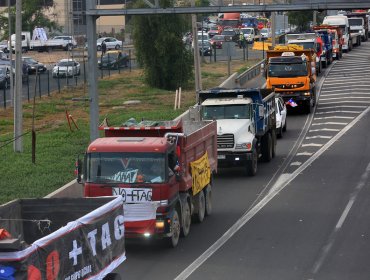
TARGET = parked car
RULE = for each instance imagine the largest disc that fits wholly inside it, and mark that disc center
(281, 114)
(4, 77)
(6, 63)
(66, 68)
(205, 48)
(113, 60)
(110, 42)
(231, 34)
(217, 41)
(68, 42)
(33, 65)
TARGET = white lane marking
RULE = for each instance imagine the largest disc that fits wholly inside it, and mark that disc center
(338, 111)
(347, 84)
(326, 249)
(345, 79)
(304, 154)
(249, 214)
(329, 123)
(325, 92)
(296, 163)
(318, 137)
(337, 117)
(353, 71)
(345, 101)
(340, 106)
(312, 145)
(345, 98)
(324, 129)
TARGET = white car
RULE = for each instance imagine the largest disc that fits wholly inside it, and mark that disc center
(281, 114)
(66, 68)
(110, 42)
(265, 33)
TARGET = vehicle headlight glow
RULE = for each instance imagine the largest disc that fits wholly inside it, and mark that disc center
(307, 93)
(244, 146)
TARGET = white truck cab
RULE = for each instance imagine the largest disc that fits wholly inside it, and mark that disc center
(342, 22)
(235, 123)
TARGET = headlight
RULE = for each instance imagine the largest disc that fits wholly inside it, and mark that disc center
(307, 93)
(244, 146)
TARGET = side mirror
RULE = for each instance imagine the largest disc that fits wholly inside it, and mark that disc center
(78, 168)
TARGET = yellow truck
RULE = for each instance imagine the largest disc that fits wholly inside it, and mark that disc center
(291, 71)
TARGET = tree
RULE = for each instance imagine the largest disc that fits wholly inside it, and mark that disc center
(159, 49)
(33, 15)
(300, 19)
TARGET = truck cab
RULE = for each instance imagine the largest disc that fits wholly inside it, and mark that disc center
(357, 29)
(246, 125)
(150, 164)
(342, 22)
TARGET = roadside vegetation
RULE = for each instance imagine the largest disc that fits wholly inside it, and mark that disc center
(58, 144)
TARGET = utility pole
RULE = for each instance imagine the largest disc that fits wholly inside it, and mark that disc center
(92, 75)
(273, 24)
(11, 89)
(314, 20)
(198, 79)
(18, 114)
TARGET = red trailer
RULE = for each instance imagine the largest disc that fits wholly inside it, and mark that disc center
(166, 166)
(337, 38)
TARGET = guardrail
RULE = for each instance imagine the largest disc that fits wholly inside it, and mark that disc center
(249, 74)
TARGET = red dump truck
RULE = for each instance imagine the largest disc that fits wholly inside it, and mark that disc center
(166, 166)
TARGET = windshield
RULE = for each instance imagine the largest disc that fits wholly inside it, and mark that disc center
(218, 38)
(219, 112)
(247, 31)
(288, 70)
(66, 63)
(355, 21)
(2, 71)
(29, 60)
(111, 56)
(230, 22)
(125, 168)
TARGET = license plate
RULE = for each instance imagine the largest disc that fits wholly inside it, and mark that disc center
(221, 156)
(134, 195)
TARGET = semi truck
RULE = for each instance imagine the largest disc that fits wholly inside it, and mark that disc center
(246, 125)
(310, 41)
(336, 36)
(291, 71)
(167, 166)
(356, 29)
(342, 22)
(364, 28)
(62, 238)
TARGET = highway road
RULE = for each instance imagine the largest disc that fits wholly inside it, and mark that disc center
(305, 215)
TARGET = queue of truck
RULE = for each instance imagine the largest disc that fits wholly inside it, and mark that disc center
(162, 172)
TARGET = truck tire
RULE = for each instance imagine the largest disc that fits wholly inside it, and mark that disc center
(274, 141)
(286, 125)
(267, 147)
(307, 106)
(186, 219)
(112, 276)
(252, 164)
(200, 207)
(173, 240)
(208, 196)
(324, 63)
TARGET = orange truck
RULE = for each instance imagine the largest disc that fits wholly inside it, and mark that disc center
(165, 168)
(291, 71)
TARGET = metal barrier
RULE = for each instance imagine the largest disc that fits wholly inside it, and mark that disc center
(249, 74)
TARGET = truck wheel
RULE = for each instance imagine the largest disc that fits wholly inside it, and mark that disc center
(208, 196)
(285, 126)
(280, 132)
(274, 140)
(201, 207)
(267, 147)
(252, 164)
(324, 63)
(173, 240)
(186, 220)
(313, 92)
(112, 276)
(308, 107)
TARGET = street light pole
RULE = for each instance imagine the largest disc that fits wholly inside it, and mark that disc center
(18, 114)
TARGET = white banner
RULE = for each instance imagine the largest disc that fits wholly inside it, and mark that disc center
(140, 211)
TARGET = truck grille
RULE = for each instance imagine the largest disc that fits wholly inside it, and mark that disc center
(225, 141)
